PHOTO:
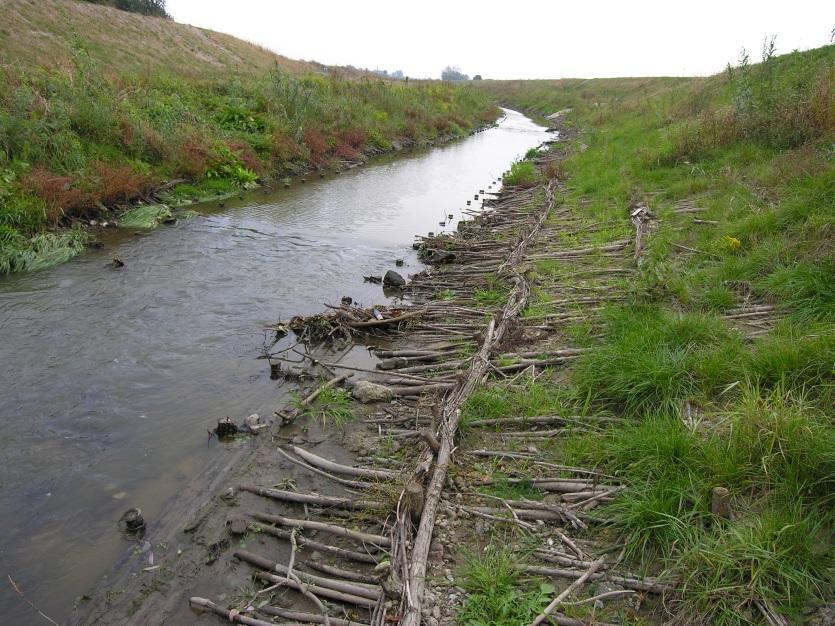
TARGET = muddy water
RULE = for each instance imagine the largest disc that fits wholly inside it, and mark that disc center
(110, 378)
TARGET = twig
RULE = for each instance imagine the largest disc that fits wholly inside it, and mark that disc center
(567, 592)
(29, 602)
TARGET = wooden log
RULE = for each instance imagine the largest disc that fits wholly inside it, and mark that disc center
(391, 320)
(356, 484)
(312, 498)
(333, 529)
(338, 468)
(232, 616)
(647, 584)
(355, 589)
(567, 592)
(343, 573)
(305, 618)
(353, 555)
(413, 499)
(324, 592)
(430, 439)
(416, 571)
(720, 502)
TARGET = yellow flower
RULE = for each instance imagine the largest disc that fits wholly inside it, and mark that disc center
(732, 243)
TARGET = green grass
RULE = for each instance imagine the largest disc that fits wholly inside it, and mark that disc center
(751, 148)
(653, 360)
(145, 216)
(775, 453)
(332, 406)
(495, 596)
(522, 174)
(496, 401)
(98, 132)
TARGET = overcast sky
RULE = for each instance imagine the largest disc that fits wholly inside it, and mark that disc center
(519, 39)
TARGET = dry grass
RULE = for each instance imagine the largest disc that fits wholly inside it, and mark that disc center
(44, 36)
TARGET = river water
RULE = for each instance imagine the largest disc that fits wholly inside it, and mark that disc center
(110, 378)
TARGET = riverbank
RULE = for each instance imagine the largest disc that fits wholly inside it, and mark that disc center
(82, 140)
(653, 437)
(169, 343)
(133, 583)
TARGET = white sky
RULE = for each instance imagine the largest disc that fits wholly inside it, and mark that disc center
(522, 38)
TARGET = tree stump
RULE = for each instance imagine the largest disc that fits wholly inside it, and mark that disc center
(720, 502)
(413, 499)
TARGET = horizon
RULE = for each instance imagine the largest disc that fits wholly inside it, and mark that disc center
(493, 47)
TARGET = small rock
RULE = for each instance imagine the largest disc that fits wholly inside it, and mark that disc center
(436, 612)
(297, 440)
(598, 605)
(236, 526)
(393, 279)
(117, 262)
(399, 262)
(365, 391)
(438, 256)
(347, 300)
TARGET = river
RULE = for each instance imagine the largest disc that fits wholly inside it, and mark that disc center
(110, 378)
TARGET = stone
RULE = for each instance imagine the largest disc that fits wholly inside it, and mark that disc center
(438, 256)
(393, 279)
(365, 391)
(236, 526)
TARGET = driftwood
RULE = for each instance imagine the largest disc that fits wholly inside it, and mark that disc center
(299, 616)
(342, 573)
(324, 592)
(567, 592)
(352, 555)
(355, 589)
(311, 498)
(233, 616)
(383, 322)
(517, 300)
(647, 585)
(333, 529)
(338, 468)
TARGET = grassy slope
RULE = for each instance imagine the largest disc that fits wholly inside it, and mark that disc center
(708, 406)
(42, 34)
(107, 104)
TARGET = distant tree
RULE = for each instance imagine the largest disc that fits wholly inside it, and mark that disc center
(453, 73)
(397, 74)
(145, 7)
(477, 77)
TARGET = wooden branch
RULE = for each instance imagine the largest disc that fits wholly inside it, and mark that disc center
(233, 616)
(338, 468)
(354, 589)
(353, 555)
(299, 616)
(325, 592)
(567, 592)
(312, 498)
(343, 573)
(391, 320)
(648, 585)
(331, 383)
(333, 529)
